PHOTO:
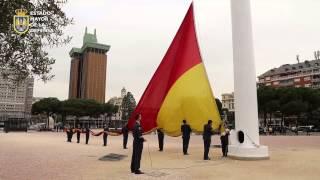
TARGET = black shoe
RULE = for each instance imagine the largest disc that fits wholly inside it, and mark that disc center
(185, 154)
(206, 159)
(138, 172)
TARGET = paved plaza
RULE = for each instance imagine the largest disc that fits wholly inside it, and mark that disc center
(47, 155)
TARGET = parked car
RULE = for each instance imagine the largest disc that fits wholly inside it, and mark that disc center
(37, 127)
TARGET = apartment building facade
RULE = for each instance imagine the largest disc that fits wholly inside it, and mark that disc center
(302, 74)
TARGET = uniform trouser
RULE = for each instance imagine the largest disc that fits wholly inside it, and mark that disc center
(68, 136)
(224, 149)
(160, 139)
(125, 140)
(206, 143)
(78, 137)
(105, 139)
(185, 141)
(87, 139)
(136, 156)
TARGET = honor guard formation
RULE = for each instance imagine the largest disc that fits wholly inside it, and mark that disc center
(138, 139)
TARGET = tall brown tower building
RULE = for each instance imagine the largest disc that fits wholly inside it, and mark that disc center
(88, 69)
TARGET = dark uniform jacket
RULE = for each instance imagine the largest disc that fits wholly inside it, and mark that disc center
(125, 130)
(87, 131)
(137, 133)
(186, 130)
(106, 129)
(207, 132)
(225, 139)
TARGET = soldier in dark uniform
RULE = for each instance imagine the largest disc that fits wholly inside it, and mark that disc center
(78, 133)
(105, 134)
(160, 139)
(87, 134)
(225, 142)
(137, 146)
(207, 133)
(125, 132)
(186, 131)
(70, 133)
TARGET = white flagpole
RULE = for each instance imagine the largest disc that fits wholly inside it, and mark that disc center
(246, 109)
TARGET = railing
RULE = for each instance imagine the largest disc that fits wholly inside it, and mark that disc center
(316, 80)
(316, 86)
(290, 76)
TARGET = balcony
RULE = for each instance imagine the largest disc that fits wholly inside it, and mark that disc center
(285, 84)
(294, 76)
(316, 80)
(317, 86)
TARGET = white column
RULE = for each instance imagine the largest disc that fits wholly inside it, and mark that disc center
(246, 109)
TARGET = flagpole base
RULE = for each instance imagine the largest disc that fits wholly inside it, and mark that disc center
(243, 152)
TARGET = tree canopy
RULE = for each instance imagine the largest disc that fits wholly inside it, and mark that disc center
(128, 105)
(298, 102)
(73, 107)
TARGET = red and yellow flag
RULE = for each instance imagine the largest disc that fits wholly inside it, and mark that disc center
(179, 89)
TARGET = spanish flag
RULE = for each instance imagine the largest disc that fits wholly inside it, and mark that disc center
(179, 89)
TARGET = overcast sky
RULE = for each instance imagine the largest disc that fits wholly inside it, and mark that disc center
(140, 31)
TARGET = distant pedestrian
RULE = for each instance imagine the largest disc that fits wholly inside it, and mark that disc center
(186, 131)
(69, 131)
(87, 134)
(160, 138)
(66, 130)
(207, 133)
(105, 134)
(137, 146)
(225, 142)
(78, 133)
(125, 132)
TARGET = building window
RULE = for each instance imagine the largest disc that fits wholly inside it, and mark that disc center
(297, 80)
(307, 85)
(267, 78)
(307, 78)
(268, 84)
(276, 83)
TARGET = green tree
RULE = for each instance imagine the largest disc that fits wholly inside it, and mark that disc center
(296, 108)
(272, 107)
(265, 94)
(81, 107)
(312, 97)
(128, 106)
(302, 103)
(48, 106)
(25, 55)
